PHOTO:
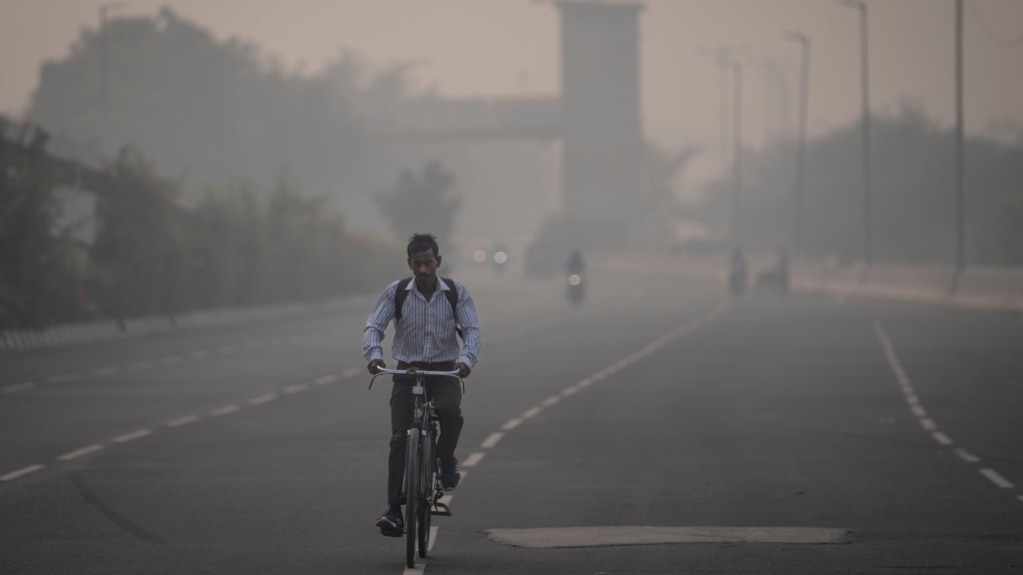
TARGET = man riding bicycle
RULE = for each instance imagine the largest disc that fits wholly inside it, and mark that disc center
(426, 319)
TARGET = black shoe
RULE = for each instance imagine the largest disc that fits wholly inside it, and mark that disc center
(449, 475)
(391, 523)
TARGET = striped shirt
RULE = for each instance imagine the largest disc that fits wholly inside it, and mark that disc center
(426, 331)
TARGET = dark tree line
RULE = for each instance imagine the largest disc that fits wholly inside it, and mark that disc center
(155, 254)
(913, 196)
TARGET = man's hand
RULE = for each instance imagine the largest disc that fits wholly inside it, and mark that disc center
(463, 370)
(374, 365)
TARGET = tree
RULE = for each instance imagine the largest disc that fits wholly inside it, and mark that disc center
(137, 253)
(421, 203)
(37, 260)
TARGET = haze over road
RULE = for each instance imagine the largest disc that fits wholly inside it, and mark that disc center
(257, 448)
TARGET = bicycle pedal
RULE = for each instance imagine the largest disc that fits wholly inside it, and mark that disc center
(440, 509)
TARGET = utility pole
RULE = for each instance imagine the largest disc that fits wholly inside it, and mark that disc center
(960, 207)
(868, 252)
(804, 42)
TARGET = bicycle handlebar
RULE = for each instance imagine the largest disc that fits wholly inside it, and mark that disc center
(415, 371)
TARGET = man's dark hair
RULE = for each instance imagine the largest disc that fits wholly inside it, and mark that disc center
(422, 242)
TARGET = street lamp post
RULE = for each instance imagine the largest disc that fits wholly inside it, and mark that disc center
(960, 200)
(868, 253)
(103, 11)
(804, 41)
(737, 160)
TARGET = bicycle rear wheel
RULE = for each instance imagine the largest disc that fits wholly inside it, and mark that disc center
(412, 496)
(428, 473)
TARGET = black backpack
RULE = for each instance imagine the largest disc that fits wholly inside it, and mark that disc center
(452, 294)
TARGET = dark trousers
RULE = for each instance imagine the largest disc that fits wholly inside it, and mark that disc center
(447, 397)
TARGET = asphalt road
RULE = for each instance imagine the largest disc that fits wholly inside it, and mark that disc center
(765, 435)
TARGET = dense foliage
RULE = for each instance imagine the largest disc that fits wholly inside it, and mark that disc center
(913, 196)
(153, 254)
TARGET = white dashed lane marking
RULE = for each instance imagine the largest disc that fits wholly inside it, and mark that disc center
(105, 371)
(295, 388)
(512, 424)
(473, 459)
(224, 410)
(21, 472)
(928, 424)
(997, 479)
(80, 452)
(64, 378)
(259, 400)
(531, 412)
(492, 440)
(183, 421)
(133, 435)
(966, 455)
(19, 387)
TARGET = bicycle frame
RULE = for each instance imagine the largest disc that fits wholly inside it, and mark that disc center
(421, 484)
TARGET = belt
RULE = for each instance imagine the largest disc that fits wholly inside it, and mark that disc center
(439, 366)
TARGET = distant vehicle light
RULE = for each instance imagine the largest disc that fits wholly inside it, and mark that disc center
(479, 256)
(575, 279)
(500, 257)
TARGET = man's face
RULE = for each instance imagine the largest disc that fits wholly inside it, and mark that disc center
(424, 266)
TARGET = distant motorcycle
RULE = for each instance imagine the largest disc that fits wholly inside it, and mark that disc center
(575, 289)
(737, 282)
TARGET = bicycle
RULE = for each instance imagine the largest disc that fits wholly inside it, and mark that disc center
(422, 488)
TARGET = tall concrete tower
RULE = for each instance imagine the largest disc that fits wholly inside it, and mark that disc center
(601, 125)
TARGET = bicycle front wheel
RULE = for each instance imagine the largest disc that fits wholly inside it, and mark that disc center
(412, 496)
(428, 481)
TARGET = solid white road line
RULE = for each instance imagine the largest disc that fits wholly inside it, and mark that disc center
(492, 440)
(224, 410)
(20, 472)
(473, 459)
(183, 421)
(997, 479)
(133, 435)
(80, 452)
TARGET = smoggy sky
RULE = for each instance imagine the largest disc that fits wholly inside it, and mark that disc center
(509, 47)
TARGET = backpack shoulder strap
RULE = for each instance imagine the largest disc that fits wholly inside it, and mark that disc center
(452, 295)
(399, 298)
